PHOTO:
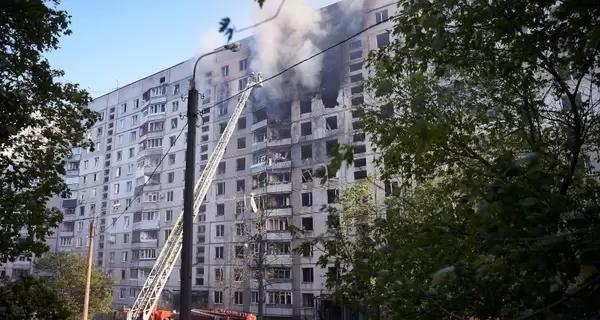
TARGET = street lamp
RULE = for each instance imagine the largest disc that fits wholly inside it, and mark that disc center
(188, 192)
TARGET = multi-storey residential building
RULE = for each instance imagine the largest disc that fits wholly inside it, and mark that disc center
(131, 183)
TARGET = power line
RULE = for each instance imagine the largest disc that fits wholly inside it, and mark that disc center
(244, 90)
(264, 21)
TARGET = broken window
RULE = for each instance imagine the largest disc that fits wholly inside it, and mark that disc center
(307, 224)
(331, 146)
(331, 123)
(306, 175)
(332, 196)
(305, 105)
(306, 152)
(306, 128)
(242, 123)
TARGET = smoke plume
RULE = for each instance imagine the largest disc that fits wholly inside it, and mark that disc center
(292, 36)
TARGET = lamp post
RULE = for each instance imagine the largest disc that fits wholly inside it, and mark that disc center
(188, 192)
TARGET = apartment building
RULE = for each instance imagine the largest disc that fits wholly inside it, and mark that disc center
(131, 183)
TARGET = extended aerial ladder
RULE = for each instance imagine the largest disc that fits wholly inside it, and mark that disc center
(158, 277)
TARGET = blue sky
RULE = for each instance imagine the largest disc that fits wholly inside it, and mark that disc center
(115, 42)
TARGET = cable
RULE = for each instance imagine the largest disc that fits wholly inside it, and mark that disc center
(244, 90)
(262, 22)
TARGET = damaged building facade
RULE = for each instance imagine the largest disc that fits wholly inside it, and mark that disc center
(281, 144)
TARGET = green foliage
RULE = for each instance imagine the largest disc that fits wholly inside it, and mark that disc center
(40, 120)
(67, 278)
(487, 112)
(30, 299)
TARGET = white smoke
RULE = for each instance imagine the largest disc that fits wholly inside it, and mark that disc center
(290, 37)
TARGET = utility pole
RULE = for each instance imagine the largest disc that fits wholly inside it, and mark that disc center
(86, 299)
(261, 275)
(188, 202)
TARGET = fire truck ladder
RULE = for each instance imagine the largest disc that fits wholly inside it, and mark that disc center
(158, 277)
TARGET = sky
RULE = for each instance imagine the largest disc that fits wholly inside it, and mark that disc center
(116, 42)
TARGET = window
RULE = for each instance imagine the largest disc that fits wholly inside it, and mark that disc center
(220, 209)
(204, 148)
(355, 55)
(204, 138)
(307, 223)
(240, 164)
(358, 175)
(237, 274)
(119, 154)
(144, 254)
(169, 196)
(225, 70)
(129, 186)
(331, 147)
(221, 168)
(383, 39)
(238, 297)
(306, 151)
(279, 297)
(122, 293)
(307, 199)
(170, 177)
(241, 123)
(356, 90)
(381, 15)
(240, 185)
(220, 230)
(360, 162)
(357, 101)
(239, 207)
(356, 66)
(305, 128)
(307, 275)
(332, 195)
(280, 273)
(176, 89)
(356, 78)
(222, 127)
(242, 83)
(355, 44)
(243, 64)
(131, 152)
(218, 297)
(360, 149)
(306, 175)
(222, 108)
(254, 297)
(125, 253)
(308, 300)
(174, 123)
(239, 229)
(241, 143)
(305, 105)
(239, 252)
(117, 172)
(116, 188)
(219, 252)
(357, 137)
(136, 103)
(171, 158)
(205, 129)
(220, 188)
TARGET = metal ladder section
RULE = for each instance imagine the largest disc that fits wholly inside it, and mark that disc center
(158, 277)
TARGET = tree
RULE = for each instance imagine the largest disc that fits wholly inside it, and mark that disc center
(487, 113)
(30, 299)
(67, 277)
(40, 121)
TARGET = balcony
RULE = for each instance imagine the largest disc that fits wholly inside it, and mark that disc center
(279, 235)
(145, 224)
(279, 259)
(286, 164)
(258, 125)
(279, 212)
(280, 142)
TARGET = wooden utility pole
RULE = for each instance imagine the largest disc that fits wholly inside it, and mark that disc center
(86, 299)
